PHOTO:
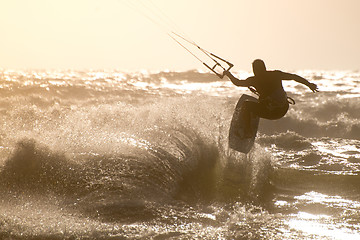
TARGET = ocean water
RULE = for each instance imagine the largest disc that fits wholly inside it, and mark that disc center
(143, 155)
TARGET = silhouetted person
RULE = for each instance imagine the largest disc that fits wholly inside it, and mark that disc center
(273, 101)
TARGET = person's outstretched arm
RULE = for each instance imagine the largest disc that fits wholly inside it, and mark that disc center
(236, 81)
(297, 78)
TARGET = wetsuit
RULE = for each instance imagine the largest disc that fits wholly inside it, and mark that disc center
(273, 102)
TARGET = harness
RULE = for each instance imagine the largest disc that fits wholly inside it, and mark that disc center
(290, 100)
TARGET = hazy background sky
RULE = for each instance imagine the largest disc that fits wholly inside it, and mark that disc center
(81, 34)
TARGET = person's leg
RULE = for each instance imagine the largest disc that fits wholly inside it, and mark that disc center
(261, 111)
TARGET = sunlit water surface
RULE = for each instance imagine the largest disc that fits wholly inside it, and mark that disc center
(124, 155)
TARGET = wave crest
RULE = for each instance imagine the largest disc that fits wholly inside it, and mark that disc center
(35, 167)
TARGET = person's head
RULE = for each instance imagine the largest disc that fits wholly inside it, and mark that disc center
(258, 67)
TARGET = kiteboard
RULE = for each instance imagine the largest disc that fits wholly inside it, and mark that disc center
(237, 139)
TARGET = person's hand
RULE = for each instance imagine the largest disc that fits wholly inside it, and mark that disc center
(313, 87)
(227, 73)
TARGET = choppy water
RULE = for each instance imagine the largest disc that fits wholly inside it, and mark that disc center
(116, 155)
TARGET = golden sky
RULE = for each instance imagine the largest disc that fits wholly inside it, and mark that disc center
(82, 34)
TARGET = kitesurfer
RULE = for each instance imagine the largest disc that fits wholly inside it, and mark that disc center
(273, 101)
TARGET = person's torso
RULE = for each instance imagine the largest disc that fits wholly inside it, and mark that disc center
(270, 89)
